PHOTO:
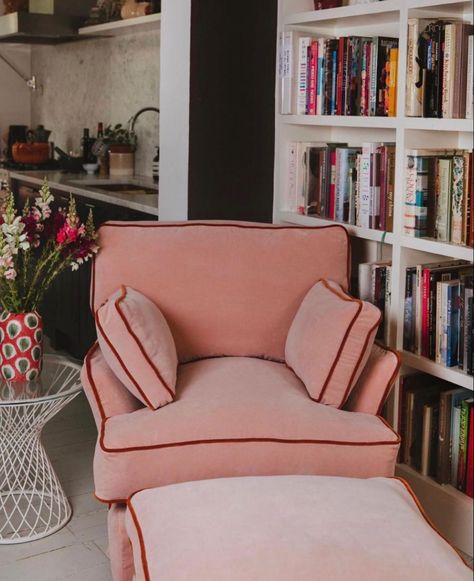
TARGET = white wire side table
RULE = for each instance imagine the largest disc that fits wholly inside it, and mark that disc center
(32, 502)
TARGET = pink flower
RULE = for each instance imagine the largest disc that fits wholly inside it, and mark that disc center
(10, 274)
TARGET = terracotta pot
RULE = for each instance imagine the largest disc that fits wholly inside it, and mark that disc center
(132, 9)
(21, 346)
(34, 153)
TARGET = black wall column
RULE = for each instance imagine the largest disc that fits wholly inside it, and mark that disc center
(232, 109)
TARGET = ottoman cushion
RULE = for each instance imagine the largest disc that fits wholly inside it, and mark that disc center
(303, 528)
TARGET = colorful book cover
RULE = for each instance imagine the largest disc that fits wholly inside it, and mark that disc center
(457, 198)
(464, 411)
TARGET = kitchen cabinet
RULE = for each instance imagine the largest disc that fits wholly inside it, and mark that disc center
(68, 321)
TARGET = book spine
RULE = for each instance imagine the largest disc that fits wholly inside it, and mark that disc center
(440, 317)
(388, 303)
(408, 310)
(374, 218)
(332, 185)
(455, 439)
(470, 79)
(457, 197)
(286, 72)
(373, 76)
(342, 174)
(460, 481)
(303, 44)
(443, 218)
(313, 78)
(467, 326)
(465, 206)
(393, 82)
(426, 439)
(419, 312)
(364, 194)
(320, 85)
(383, 188)
(340, 76)
(447, 102)
(413, 89)
(390, 188)
(425, 312)
(334, 82)
(470, 455)
(291, 197)
(443, 471)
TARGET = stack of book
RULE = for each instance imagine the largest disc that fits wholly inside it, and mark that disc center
(439, 199)
(439, 69)
(375, 286)
(350, 75)
(338, 182)
(436, 423)
(438, 313)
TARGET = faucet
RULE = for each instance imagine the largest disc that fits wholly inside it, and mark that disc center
(133, 120)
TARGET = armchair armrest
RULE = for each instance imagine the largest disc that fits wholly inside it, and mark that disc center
(106, 394)
(376, 381)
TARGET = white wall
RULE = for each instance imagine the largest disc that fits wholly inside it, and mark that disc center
(174, 98)
(15, 97)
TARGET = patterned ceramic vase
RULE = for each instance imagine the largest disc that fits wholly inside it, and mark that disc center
(21, 346)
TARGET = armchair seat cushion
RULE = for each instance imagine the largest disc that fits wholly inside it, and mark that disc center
(237, 416)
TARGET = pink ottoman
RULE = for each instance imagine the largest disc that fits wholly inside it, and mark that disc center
(298, 528)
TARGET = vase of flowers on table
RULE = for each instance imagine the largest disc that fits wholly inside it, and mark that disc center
(36, 245)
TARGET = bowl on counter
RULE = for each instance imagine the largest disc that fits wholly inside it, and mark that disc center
(90, 168)
(31, 153)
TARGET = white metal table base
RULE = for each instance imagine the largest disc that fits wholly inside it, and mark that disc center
(32, 502)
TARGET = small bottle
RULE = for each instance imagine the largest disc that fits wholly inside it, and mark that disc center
(100, 131)
(156, 165)
(86, 146)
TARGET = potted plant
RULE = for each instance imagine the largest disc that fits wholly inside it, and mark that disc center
(36, 245)
(122, 144)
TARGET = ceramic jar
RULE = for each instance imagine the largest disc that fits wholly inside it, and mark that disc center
(121, 161)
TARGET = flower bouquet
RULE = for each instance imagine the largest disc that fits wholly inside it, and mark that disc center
(36, 245)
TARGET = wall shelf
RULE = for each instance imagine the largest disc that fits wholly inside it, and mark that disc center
(341, 121)
(452, 374)
(119, 27)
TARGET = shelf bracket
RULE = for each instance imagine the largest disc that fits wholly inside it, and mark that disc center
(31, 82)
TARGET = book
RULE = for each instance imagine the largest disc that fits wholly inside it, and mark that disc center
(455, 439)
(447, 400)
(304, 44)
(443, 206)
(469, 79)
(457, 199)
(429, 438)
(470, 455)
(414, 74)
(459, 479)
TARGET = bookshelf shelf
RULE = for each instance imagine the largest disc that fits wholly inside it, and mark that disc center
(451, 374)
(451, 510)
(336, 15)
(364, 233)
(341, 121)
(440, 248)
(425, 124)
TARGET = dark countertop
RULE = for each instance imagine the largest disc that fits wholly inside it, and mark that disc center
(89, 186)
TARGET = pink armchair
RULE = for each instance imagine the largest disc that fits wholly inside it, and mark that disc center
(229, 292)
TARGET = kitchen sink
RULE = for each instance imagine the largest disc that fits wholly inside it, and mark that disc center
(122, 187)
(126, 188)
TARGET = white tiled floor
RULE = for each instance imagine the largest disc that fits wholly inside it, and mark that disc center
(78, 551)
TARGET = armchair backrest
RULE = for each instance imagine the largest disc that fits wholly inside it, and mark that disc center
(225, 288)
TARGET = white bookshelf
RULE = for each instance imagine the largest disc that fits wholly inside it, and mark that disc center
(450, 509)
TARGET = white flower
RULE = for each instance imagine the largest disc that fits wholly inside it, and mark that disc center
(74, 266)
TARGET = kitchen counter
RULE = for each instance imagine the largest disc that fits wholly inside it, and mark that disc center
(89, 186)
